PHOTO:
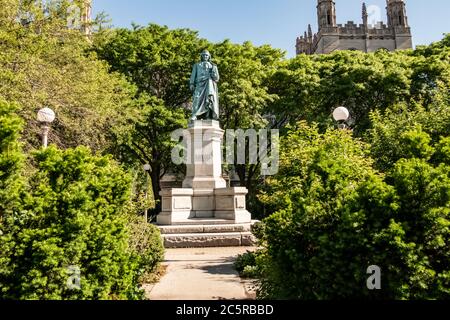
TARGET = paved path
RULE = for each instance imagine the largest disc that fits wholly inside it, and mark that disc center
(201, 274)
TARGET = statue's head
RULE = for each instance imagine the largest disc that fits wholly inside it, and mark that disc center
(206, 56)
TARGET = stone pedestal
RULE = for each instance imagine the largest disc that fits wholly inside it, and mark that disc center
(204, 194)
(204, 167)
(176, 206)
(230, 205)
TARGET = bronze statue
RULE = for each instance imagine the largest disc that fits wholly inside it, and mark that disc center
(203, 84)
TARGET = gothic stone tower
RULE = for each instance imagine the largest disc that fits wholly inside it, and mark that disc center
(326, 13)
(86, 13)
(398, 23)
(364, 37)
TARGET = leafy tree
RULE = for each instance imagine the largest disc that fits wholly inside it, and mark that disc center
(334, 216)
(402, 132)
(442, 154)
(146, 137)
(156, 59)
(310, 87)
(364, 82)
(422, 229)
(296, 83)
(244, 93)
(245, 71)
(45, 63)
(325, 200)
(11, 158)
(72, 215)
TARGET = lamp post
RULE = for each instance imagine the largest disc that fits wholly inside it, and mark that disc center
(45, 117)
(341, 115)
(146, 169)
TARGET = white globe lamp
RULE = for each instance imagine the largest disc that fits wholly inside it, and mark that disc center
(45, 117)
(341, 115)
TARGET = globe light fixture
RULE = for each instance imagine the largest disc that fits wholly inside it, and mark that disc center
(45, 117)
(341, 115)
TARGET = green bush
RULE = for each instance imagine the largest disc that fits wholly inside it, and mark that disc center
(11, 158)
(72, 215)
(250, 272)
(245, 259)
(403, 132)
(146, 242)
(442, 154)
(334, 216)
(11, 163)
(246, 264)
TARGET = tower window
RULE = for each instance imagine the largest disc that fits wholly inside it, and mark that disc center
(329, 17)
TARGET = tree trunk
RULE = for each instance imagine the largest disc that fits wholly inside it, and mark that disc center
(155, 176)
(240, 170)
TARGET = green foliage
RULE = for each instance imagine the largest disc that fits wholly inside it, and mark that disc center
(45, 63)
(401, 133)
(310, 87)
(73, 215)
(11, 158)
(245, 72)
(296, 83)
(64, 208)
(442, 154)
(245, 259)
(145, 240)
(334, 216)
(246, 264)
(325, 197)
(250, 272)
(418, 168)
(146, 137)
(156, 59)
(244, 93)
(422, 232)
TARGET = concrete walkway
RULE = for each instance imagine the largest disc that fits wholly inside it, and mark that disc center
(201, 274)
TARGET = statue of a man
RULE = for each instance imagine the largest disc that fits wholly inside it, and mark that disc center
(203, 84)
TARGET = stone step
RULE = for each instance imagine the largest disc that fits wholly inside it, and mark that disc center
(205, 228)
(204, 240)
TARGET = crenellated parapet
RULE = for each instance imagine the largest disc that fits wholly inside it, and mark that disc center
(396, 34)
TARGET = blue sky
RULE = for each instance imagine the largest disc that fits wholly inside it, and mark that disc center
(274, 22)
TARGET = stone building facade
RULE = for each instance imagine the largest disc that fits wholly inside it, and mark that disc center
(396, 35)
(86, 17)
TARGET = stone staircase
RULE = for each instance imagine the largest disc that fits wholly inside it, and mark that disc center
(202, 233)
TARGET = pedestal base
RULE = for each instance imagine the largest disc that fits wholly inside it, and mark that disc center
(204, 194)
(181, 205)
(230, 205)
(176, 206)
